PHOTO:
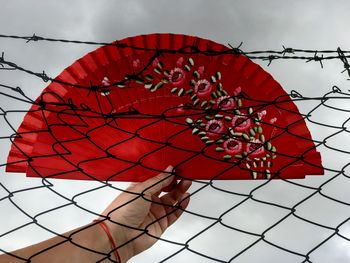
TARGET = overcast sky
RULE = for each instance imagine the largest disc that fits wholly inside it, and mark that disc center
(260, 25)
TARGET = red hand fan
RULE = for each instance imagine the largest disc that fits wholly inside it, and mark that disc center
(126, 110)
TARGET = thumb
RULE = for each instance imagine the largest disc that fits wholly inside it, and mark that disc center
(156, 184)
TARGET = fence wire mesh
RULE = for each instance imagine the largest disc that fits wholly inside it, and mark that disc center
(281, 220)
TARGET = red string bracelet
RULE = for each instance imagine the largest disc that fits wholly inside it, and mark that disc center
(111, 240)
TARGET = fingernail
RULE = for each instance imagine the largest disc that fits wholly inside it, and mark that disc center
(184, 196)
(169, 168)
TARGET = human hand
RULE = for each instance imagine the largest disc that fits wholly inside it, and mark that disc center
(139, 216)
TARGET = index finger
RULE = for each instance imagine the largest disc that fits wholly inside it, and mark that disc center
(157, 183)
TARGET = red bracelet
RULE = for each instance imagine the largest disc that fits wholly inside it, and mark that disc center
(111, 240)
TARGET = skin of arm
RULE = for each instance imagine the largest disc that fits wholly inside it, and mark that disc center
(136, 219)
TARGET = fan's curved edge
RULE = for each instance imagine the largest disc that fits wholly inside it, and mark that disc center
(163, 35)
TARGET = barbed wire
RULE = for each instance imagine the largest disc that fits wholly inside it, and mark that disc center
(69, 107)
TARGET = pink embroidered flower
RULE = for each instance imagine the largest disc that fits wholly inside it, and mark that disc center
(232, 146)
(273, 120)
(202, 87)
(105, 82)
(177, 76)
(215, 127)
(180, 61)
(136, 63)
(262, 114)
(241, 123)
(255, 147)
(225, 103)
(180, 108)
(155, 62)
(237, 91)
(201, 70)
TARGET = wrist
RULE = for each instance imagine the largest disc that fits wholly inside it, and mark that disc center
(119, 235)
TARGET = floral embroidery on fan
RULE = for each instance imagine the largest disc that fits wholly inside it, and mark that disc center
(228, 129)
(262, 114)
(106, 83)
(255, 147)
(232, 146)
(241, 123)
(180, 62)
(136, 63)
(215, 128)
(180, 108)
(202, 87)
(273, 120)
(177, 76)
(225, 103)
(200, 70)
(155, 62)
(237, 91)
